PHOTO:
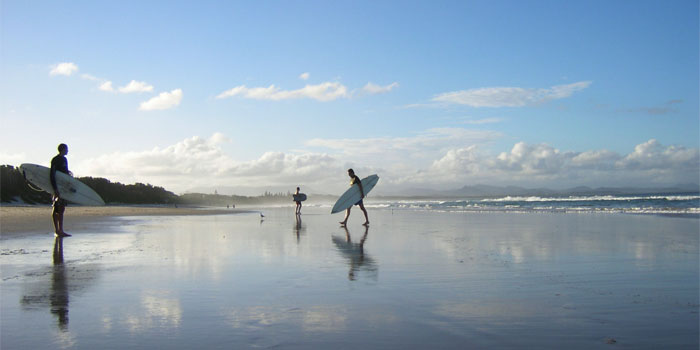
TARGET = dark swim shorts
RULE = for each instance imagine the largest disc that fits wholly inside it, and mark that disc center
(358, 203)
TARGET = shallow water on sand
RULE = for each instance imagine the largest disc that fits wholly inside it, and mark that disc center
(414, 279)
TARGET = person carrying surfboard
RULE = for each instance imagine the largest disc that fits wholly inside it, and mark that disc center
(356, 180)
(298, 208)
(59, 163)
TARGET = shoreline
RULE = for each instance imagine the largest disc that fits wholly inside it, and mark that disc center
(19, 220)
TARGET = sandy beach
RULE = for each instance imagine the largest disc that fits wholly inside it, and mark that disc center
(157, 278)
(18, 220)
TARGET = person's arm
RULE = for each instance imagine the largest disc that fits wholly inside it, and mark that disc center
(53, 179)
(362, 190)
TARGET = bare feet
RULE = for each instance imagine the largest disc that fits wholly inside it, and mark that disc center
(63, 234)
(343, 223)
(366, 224)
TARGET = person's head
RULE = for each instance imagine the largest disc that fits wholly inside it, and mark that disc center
(351, 172)
(63, 149)
(297, 188)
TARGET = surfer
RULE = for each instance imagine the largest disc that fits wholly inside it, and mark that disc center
(356, 180)
(59, 163)
(298, 208)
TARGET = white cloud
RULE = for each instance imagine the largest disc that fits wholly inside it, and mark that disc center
(136, 86)
(509, 96)
(198, 161)
(65, 68)
(165, 100)
(374, 89)
(483, 121)
(14, 159)
(437, 158)
(106, 86)
(543, 165)
(304, 76)
(653, 155)
(322, 92)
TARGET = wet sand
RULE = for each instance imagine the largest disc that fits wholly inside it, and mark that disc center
(413, 279)
(22, 220)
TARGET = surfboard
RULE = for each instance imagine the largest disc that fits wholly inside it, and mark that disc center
(299, 197)
(352, 195)
(71, 189)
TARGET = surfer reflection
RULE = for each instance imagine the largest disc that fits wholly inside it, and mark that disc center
(59, 287)
(355, 253)
(297, 226)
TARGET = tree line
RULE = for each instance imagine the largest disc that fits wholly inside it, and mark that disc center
(14, 188)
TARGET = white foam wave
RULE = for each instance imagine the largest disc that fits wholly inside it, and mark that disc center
(589, 198)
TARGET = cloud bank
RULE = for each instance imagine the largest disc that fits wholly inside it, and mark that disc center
(374, 89)
(202, 162)
(133, 87)
(509, 96)
(651, 163)
(327, 91)
(322, 92)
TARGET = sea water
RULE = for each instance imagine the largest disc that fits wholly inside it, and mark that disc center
(680, 204)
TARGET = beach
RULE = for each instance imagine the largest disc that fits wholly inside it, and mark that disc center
(133, 277)
(21, 220)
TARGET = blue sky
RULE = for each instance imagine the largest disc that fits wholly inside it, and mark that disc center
(251, 95)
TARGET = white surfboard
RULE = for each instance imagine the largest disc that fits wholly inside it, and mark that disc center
(299, 197)
(352, 195)
(71, 189)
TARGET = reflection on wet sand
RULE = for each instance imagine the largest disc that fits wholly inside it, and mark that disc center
(56, 298)
(355, 253)
(59, 288)
(298, 228)
(55, 293)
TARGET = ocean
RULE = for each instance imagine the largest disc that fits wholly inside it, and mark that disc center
(671, 204)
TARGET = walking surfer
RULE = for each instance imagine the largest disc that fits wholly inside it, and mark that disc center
(59, 163)
(355, 180)
(298, 208)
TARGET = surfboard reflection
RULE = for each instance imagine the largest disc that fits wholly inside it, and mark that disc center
(358, 261)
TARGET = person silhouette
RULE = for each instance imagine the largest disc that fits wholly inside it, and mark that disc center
(355, 180)
(59, 163)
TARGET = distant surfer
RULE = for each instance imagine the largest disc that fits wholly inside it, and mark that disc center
(356, 180)
(298, 208)
(59, 163)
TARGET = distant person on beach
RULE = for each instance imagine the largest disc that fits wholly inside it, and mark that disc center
(356, 180)
(59, 163)
(298, 208)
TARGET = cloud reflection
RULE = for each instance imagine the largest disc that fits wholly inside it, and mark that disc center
(157, 310)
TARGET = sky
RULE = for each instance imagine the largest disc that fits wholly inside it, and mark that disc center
(246, 96)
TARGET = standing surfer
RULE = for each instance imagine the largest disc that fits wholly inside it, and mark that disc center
(356, 180)
(59, 163)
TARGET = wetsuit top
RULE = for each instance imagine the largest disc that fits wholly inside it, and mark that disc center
(58, 163)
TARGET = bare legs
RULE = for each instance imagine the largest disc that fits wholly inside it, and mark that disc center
(57, 216)
(58, 222)
(347, 215)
